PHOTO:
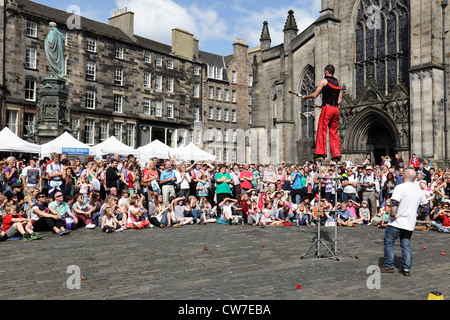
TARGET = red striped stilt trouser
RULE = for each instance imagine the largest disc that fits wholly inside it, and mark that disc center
(329, 119)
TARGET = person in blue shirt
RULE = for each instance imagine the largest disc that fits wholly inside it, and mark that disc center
(297, 185)
(344, 217)
(167, 180)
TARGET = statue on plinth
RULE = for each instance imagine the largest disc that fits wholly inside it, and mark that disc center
(54, 50)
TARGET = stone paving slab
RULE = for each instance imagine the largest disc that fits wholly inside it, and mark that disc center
(249, 263)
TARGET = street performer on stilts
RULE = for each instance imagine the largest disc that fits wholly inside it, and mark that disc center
(329, 117)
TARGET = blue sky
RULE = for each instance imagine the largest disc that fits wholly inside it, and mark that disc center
(216, 24)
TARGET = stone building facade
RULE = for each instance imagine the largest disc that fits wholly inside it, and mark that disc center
(119, 83)
(227, 103)
(388, 57)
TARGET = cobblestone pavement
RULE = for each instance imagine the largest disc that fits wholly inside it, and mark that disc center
(219, 262)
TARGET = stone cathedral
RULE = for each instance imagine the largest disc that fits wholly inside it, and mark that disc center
(389, 60)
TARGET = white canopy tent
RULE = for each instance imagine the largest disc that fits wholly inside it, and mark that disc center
(10, 142)
(112, 146)
(67, 144)
(157, 149)
(193, 153)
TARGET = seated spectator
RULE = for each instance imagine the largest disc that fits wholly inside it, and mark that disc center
(206, 211)
(83, 211)
(30, 199)
(109, 221)
(15, 225)
(227, 211)
(61, 208)
(179, 209)
(45, 220)
(267, 218)
(285, 214)
(15, 193)
(304, 217)
(344, 217)
(135, 213)
(254, 214)
(441, 219)
(364, 212)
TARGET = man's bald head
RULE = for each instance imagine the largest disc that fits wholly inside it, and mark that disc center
(409, 175)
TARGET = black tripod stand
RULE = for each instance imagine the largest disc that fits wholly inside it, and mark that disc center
(318, 240)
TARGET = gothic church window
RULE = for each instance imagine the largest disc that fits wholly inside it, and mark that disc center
(307, 111)
(382, 44)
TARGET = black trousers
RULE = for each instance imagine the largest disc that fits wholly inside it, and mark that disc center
(47, 224)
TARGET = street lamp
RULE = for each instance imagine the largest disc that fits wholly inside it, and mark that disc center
(444, 4)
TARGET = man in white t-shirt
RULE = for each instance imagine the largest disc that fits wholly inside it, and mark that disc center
(349, 185)
(406, 201)
(31, 176)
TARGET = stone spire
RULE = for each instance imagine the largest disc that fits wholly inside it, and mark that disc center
(265, 36)
(290, 22)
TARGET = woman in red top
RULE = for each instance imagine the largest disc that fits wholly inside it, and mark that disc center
(131, 175)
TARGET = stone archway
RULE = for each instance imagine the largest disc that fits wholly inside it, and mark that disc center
(371, 134)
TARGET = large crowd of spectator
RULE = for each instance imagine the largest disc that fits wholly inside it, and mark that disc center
(59, 195)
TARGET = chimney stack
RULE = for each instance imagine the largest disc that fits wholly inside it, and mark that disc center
(123, 20)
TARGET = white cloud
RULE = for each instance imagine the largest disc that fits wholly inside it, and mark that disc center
(155, 19)
(211, 21)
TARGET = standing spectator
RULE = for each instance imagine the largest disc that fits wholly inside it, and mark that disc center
(184, 180)
(405, 202)
(297, 186)
(414, 162)
(31, 176)
(349, 182)
(270, 179)
(150, 178)
(256, 176)
(55, 173)
(234, 174)
(399, 163)
(367, 184)
(202, 187)
(246, 178)
(112, 176)
(223, 189)
(167, 181)
(11, 173)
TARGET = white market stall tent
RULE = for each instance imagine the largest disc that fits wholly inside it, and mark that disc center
(10, 142)
(193, 153)
(112, 146)
(67, 144)
(157, 149)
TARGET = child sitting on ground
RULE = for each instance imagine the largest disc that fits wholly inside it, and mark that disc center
(364, 213)
(135, 212)
(14, 225)
(110, 222)
(227, 211)
(344, 216)
(267, 217)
